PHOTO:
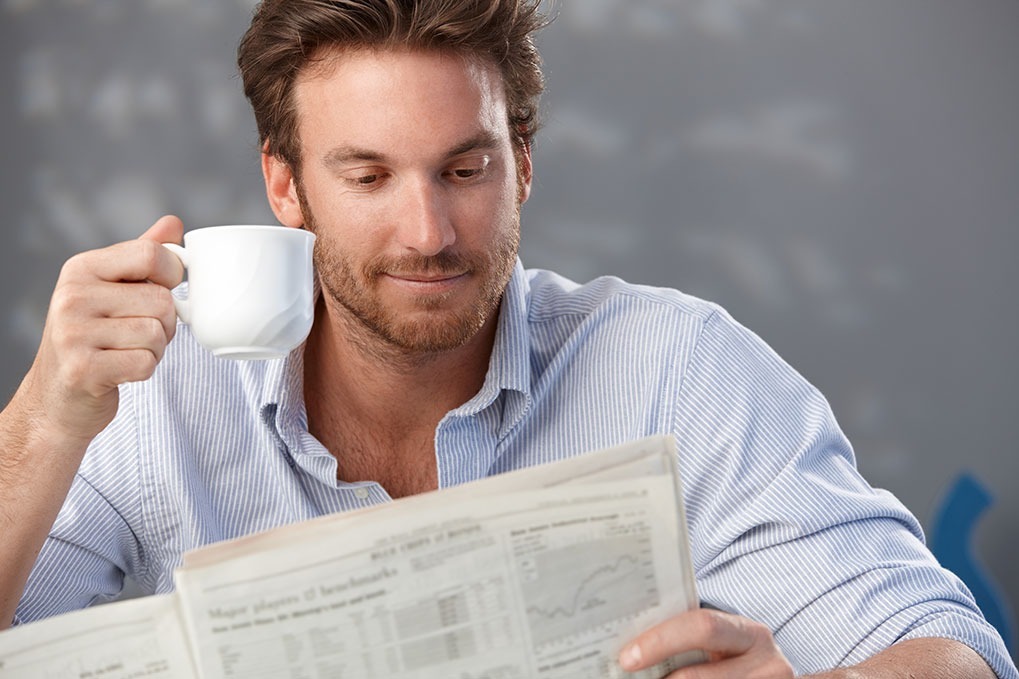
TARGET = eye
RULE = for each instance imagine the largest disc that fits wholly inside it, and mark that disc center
(470, 170)
(365, 181)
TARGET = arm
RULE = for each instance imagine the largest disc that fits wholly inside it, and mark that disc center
(740, 647)
(931, 658)
(785, 530)
(106, 325)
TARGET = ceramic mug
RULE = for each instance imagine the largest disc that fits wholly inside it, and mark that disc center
(250, 290)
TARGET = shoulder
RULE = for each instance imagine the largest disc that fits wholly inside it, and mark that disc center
(609, 333)
(553, 297)
(615, 315)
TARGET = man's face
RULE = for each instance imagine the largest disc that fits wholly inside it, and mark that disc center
(408, 179)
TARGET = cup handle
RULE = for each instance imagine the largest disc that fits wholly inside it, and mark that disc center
(183, 306)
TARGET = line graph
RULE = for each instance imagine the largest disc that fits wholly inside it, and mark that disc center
(578, 587)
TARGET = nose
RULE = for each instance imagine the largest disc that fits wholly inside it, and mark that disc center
(425, 225)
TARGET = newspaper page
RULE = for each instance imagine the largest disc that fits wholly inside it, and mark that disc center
(140, 638)
(502, 583)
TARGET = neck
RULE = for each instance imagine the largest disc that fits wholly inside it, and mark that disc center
(383, 387)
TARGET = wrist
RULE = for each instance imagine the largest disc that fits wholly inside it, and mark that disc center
(33, 439)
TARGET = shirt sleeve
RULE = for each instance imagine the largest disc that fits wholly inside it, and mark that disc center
(92, 543)
(784, 530)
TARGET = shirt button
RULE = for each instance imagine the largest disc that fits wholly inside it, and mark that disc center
(361, 493)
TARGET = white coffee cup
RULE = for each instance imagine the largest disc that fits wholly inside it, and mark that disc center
(250, 291)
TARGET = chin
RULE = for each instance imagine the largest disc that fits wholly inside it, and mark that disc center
(438, 332)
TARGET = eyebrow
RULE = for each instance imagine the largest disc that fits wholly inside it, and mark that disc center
(482, 141)
(342, 155)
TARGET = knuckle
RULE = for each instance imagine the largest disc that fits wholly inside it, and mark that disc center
(141, 366)
(74, 371)
(169, 328)
(162, 302)
(134, 365)
(761, 632)
(74, 266)
(67, 338)
(122, 366)
(776, 667)
(652, 642)
(152, 299)
(66, 300)
(165, 313)
(83, 265)
(151, 332)
(149, 253)
(66, 344)
(708, 625)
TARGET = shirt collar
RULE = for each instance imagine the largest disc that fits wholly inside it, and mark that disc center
(509, 368)
(282, 398)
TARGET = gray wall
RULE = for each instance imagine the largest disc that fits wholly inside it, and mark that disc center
(840, 175)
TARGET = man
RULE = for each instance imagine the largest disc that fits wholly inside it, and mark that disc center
(400, 134)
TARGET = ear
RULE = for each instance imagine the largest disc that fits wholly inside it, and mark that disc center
(281, 190)
(525, 171)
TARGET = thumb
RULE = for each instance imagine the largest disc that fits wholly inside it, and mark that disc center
(169, 269)
(167, 229)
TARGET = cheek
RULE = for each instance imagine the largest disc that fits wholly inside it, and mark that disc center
(490, 212)
(346, 224)
(346, 242)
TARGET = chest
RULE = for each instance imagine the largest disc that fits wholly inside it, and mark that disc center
(403, 463)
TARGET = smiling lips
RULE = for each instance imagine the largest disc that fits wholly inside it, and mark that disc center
(427, 281)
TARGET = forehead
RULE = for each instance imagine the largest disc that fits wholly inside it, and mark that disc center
(397, 100)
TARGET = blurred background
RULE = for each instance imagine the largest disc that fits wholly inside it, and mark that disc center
(842, 176)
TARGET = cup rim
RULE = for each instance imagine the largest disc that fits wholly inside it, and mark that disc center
(276, 228)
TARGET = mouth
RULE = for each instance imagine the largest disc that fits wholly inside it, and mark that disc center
(421, 278)
(427, 282)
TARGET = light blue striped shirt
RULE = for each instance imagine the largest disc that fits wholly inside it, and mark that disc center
(783, 528)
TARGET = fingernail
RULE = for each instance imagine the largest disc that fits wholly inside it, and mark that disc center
(630, 657)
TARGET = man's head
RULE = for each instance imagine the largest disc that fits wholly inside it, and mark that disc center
(400, 133)
(286, 36)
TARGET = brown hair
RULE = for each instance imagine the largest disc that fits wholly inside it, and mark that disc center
(285, 35)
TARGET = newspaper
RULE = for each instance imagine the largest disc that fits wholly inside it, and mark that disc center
(540, 573)
(127, 639)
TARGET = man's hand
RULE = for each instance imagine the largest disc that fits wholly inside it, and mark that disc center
(736, 647)
(110, 319)
(740, 648)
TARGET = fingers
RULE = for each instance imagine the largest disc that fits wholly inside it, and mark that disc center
(117, 319)
(693, 630)
(110, 319)
(751, 666)
(117, 282)
(94, 375)
(131, 261)
(138, 260)
(735, 646)
(139, 332)
(76, 305)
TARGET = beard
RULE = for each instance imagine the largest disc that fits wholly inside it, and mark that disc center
(434, 324)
